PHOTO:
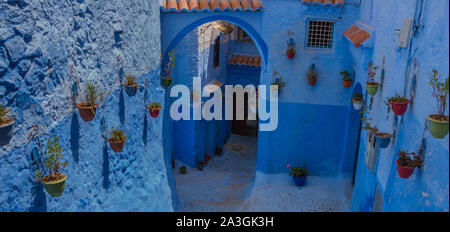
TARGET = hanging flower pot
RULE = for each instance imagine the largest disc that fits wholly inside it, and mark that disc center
(87, 112)
(154, 109)
(55, 182)
(312, 76)
(372, 88)
(312, 81)
(290, 53)
(6, 126)
(399, 104)
(117, 140)
(278, 83)
(54, 185)
(346, 80)
(183, 170)
(438, 125)
(299, 175)
(88, 108)
(383, 140)
(407, 163)
(357, 101)
(131, 86)
(371, 85)
(167, 80)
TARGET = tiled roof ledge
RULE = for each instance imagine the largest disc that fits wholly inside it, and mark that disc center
(370, 42)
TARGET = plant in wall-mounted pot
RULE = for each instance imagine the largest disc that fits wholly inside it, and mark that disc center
(399, 104)
(154, 109)
(290, 52)
(130, 85)
(117, 140)
(6, 125)
(357, 100)
(88, 108)
(299, 174)
(371, 85)
(312, 75)
(383, 139)
(183, 170)
(167, 80)
(407, 162)
(439, 122)
(347, 81)
(55, 181)
(277, 82)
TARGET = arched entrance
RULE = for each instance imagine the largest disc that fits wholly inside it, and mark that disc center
(172, 35)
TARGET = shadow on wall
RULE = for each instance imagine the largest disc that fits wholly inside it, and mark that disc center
(39, 203)
(75, 137)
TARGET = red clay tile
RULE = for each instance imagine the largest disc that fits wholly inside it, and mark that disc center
(183, 5)
(164, 4)
(193, 4)
(323, 2)
(172, 4)
(256, 4)
(245, 60)
(246, 5)
(215, 6)
(204, 5)
(225, 5)
(236, 5)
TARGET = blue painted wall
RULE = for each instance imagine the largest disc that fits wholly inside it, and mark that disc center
(35, 84)
(427, 189)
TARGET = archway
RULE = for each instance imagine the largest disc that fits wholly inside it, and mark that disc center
(176, 37)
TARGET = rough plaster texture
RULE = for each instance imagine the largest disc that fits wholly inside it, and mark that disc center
(39, 40)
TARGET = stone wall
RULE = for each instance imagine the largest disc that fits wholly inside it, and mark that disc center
(39, 40)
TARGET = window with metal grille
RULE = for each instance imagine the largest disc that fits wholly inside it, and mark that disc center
(320, 34)
(217, 52)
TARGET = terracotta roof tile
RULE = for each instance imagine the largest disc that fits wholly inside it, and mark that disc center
(245, 60)
(323, 2)
(212, 5)
(356, 35)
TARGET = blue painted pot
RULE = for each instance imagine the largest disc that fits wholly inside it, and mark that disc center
(383, 140)
(6, 133)
(299, 181)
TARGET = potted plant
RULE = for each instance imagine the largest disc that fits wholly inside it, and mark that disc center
(346, 79)
(299, 175)
(371, 85)
(130, 85)
(357, 101)
(6, 125)
(182, 170)
(117, 140)
(55, 181)
(439, 122)
(290, 52)
(88, 108)
(399, 104)
(167, 80)
(312, 76)
(407, 162)
(383, 139)
(154, 109)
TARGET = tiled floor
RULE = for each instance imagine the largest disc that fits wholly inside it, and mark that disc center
(228, 184)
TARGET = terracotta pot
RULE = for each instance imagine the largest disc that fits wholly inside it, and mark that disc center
(347, 83)
(207, 159)
(116, 146)
(87, 113)
(290, 54)
(399, 108)
(404, 172)
(154, 112)
(167, 80)
(438, 128)
(6, 133)
(131, 90)
(55, 188)
(312, 81)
